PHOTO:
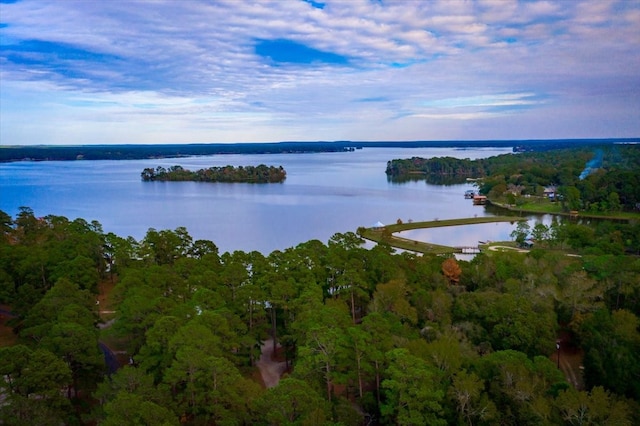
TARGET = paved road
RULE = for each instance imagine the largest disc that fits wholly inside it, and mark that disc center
(110, 359)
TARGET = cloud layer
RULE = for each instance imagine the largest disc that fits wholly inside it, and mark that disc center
(83, 72)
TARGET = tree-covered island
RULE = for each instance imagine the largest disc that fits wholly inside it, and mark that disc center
(247, 174)
(599, 180)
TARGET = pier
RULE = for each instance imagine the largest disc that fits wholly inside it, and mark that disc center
(468, 250)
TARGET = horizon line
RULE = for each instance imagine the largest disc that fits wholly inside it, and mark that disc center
(366, 142)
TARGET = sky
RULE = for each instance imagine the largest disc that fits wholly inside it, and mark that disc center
(211, 71)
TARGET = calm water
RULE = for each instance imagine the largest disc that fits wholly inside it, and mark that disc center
(324, 193)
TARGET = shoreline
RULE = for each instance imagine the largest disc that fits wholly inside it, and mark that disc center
(579, 215)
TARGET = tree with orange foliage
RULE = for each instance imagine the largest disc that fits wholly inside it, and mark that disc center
(451, 270)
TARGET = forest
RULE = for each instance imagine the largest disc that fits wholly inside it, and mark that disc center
(368, 335)
(247, 174)
(602, 178)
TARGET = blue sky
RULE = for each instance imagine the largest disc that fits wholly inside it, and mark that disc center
(100, 72)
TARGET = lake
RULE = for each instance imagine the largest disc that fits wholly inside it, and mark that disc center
(324, 193)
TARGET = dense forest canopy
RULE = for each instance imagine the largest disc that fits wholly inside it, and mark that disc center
(601, 178)
(250, 174)
(370, 336)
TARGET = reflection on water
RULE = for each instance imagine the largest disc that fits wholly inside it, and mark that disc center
(429, 179)
(459, 236)
(323, 194)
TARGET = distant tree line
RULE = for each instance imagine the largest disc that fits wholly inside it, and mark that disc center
(602, 178)
(249, 174)
(436, 167)
(137, 152)
(132, 152)
(370, 336)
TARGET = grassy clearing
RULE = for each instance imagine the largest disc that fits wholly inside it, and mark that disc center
(449, 222)
(417, 246)
(544, 206)
(502, 246)
(549, 208)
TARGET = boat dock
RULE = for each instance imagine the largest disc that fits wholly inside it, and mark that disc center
(468, 250)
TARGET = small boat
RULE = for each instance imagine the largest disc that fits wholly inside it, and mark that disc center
(470, 193)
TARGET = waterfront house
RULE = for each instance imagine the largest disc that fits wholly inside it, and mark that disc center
(550, 192)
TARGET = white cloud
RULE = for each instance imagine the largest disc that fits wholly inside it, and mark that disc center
(193, 66)
(509, 99)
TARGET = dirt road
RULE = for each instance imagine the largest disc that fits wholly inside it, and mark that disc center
(270, 370)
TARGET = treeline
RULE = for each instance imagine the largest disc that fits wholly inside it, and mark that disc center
(604, 178)
(250, 174)
(434, 168)
(371, 337)
(137, 152)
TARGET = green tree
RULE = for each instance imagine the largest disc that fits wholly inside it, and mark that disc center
(540, 233)
(358, 342)
(520, 387)
(579, 293)
(448, 352)
(570, 196)
(281, 289)
(77, 345)
(118, 253)
(321, 332)
(292, 402)
(507, 321)
(613, 201)
(392, 297)
(521, 233)
(31, 387)
(471, 401)
(80, 270)
(156, 355)
(346, 271)
(132, 409)
(413, 394)
(209, 387)
(64, 296)
(597, 407)
(131, 380)
(378, 327)
(612, 343)
(6, 226)
(165, 247)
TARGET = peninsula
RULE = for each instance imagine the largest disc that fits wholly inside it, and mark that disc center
(384, 234)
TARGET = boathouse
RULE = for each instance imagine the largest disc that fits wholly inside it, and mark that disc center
(479, 199)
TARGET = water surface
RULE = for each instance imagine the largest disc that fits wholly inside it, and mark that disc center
(324, 193)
